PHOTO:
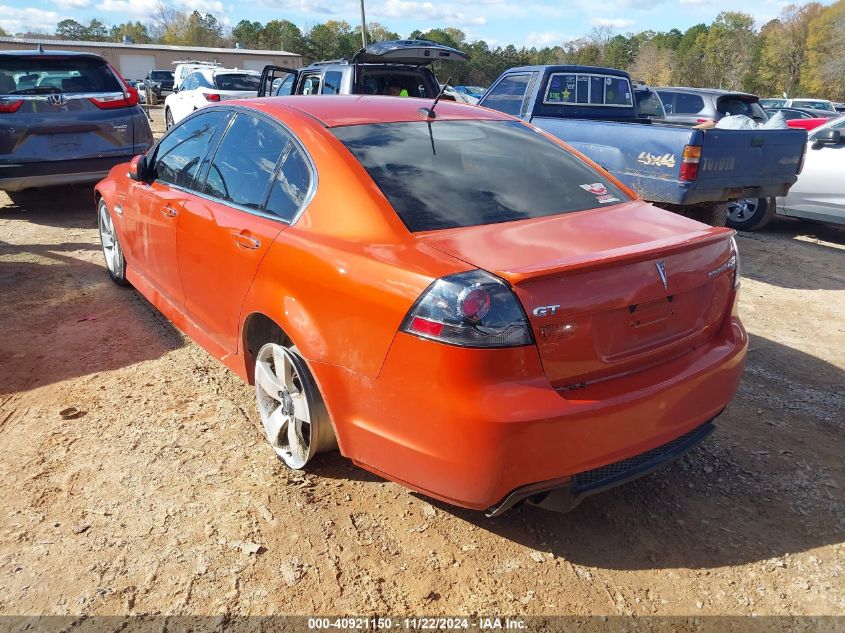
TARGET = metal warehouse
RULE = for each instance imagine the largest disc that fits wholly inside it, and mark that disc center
(135, 60)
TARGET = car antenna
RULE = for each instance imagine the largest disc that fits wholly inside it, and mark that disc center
(429, 112)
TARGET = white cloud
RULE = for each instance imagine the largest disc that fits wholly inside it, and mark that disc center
(410, 9)
(614, 23)
(72, 4)
(16, 20)
(545, 38)
(203, 6)
(133, 8)
(697, 2)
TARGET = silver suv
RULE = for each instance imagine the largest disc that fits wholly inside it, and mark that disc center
(700, 105)
(398, 68)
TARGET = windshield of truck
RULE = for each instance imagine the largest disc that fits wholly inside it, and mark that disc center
(447, 174)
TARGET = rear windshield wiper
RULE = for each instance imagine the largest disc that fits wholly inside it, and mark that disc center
(35, 91)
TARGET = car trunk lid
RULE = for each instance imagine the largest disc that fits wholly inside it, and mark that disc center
(592, 284)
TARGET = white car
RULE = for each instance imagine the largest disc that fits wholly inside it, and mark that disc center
(209, 85)
(819, 193)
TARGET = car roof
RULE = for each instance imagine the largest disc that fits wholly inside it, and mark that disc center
(340, 110)
(35, 53)
(707, 91)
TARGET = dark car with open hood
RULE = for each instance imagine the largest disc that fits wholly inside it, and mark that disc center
(65, 118)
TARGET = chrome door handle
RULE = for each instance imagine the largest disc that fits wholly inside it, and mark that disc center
(169, 211)
(244, 241)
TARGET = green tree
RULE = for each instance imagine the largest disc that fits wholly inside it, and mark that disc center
(248, 33)
(728, 48)
(70, 30)
(283, 35)
(136, 31)
(825, 63)
(96, 31)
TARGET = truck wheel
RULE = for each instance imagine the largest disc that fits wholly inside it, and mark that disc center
(750, 214)
(714, 214)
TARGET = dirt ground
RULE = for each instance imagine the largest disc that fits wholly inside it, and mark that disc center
(160, 496)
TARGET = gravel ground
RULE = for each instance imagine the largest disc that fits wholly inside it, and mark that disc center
(157, 494)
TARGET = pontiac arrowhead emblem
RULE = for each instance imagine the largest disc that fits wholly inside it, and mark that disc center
(661, 269)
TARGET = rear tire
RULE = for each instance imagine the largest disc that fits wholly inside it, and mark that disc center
(750, 214)
(714, 214)
(293, 415)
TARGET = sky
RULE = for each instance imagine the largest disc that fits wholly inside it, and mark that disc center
(498, 22)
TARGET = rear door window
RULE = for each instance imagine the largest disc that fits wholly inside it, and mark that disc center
(686, 103)
(310, 85)
(331, 82)
(668, 99)
(291, 186)
(245, 161)
(507, 95)
(177, 157)
(464, 173)
(47, 74)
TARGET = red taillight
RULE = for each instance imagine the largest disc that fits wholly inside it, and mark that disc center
(109, 102)
(704, 120)
(690, 161)
(210, 96)
(469, 309)
(424, 326)
(10, 105)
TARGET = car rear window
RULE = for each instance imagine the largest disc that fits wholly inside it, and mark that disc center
(448, 174)
(22, 75)
(738, 105)
(161, 75)
(236, 82)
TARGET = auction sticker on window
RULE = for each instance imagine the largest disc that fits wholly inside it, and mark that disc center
(596, 188)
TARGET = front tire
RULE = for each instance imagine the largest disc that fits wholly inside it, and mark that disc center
(168, 119)
(293, 415)
(750, 214)
(113, 253)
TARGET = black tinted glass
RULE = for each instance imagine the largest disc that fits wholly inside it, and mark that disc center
(734, 106)
(508, 94)
(464, 173)
(237, 82)
(245, 162)
(27, 75)
(291, 186)
(178, 156)
(331, 83)
(648, 104)
(163, 75)
(688, 104)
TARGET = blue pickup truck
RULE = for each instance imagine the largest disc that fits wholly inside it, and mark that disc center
(695, 172)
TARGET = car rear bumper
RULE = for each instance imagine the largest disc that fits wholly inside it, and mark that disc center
(18, 176)
(471, 427)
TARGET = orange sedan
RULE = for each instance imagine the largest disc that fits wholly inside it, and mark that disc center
(457, 301)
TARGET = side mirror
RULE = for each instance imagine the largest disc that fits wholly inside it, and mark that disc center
(827, 137)
(138, 170)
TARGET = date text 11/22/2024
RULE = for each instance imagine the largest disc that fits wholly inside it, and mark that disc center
(484, 623)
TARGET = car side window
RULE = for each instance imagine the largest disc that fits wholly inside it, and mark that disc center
(668, 100)
(283, 87)
(245, 161)
(688, 104)
(178, 155)
(310, 85)
(291, 185)
(202, 82)
(191, 82)
(331, 82)
(507, 95)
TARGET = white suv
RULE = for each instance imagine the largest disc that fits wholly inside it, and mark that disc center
(209, 85)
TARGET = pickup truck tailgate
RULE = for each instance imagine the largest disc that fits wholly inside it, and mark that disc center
(752, 158)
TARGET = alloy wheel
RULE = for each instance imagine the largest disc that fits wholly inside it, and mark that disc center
(743, 209)
(111, 245)
(285, 404)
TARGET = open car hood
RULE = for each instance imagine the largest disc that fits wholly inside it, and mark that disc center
(407, 52)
